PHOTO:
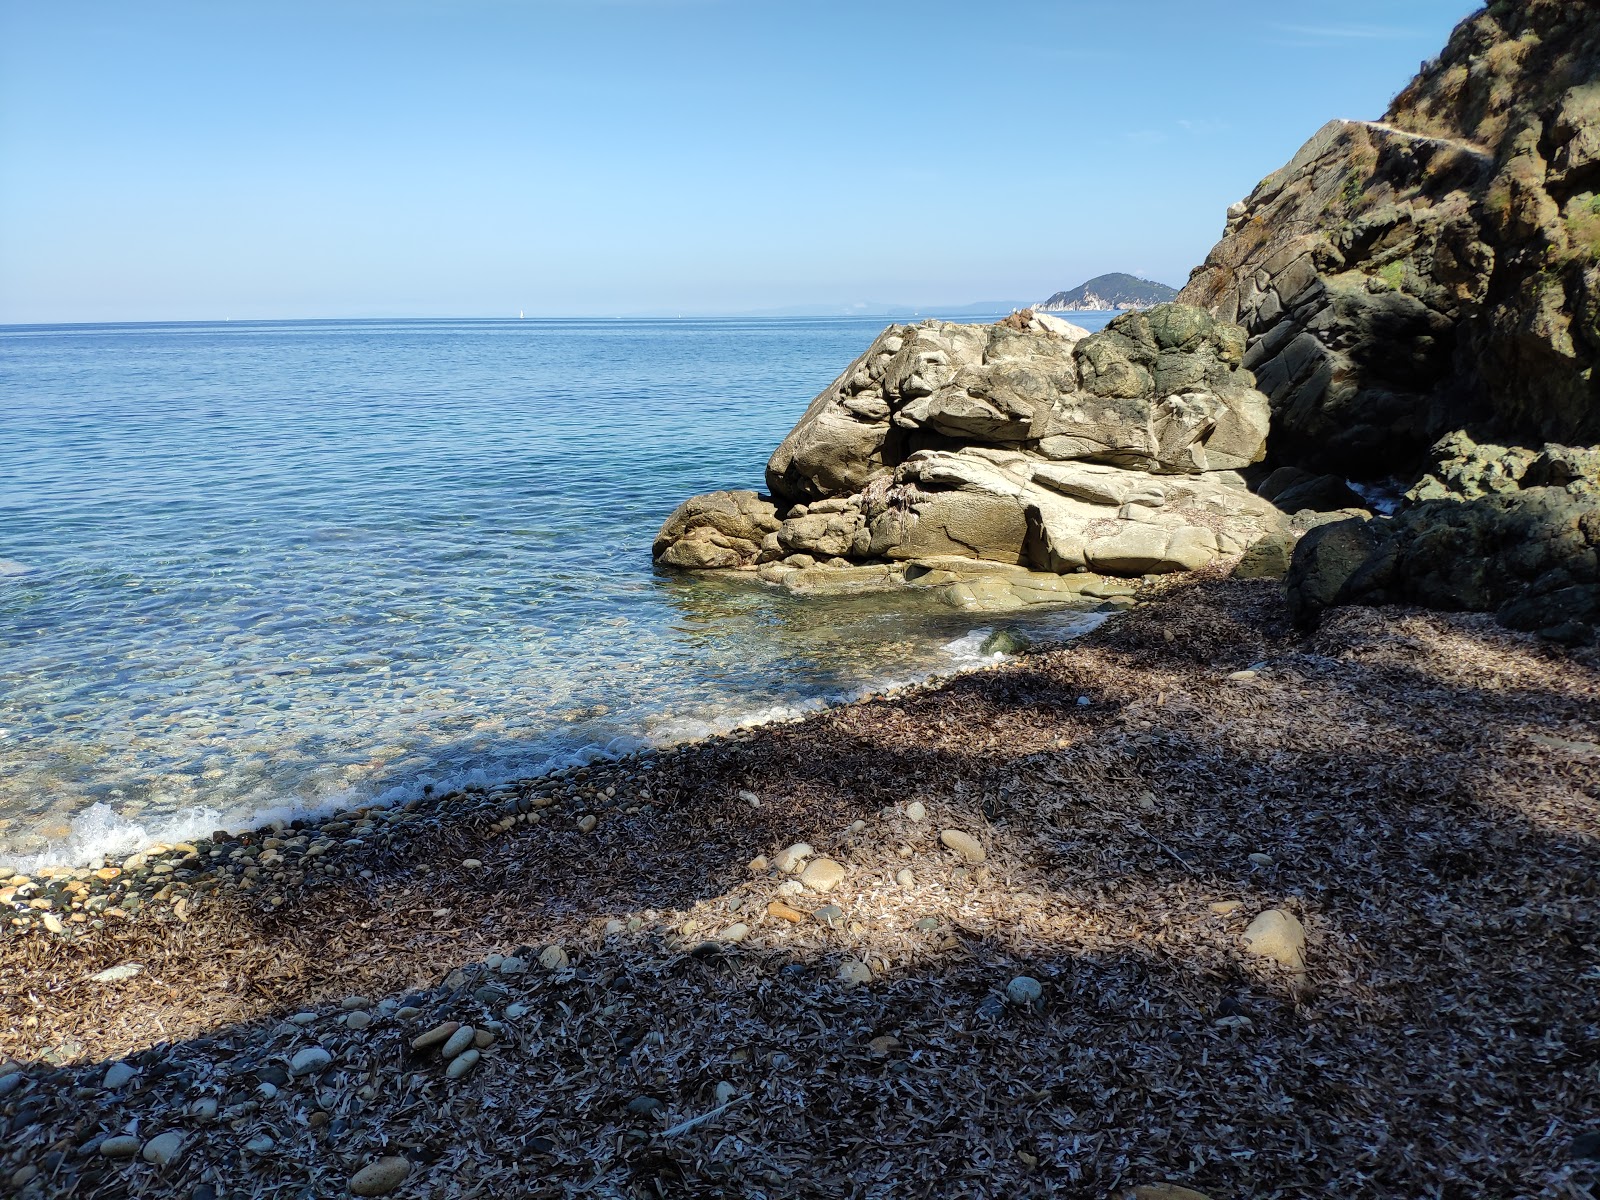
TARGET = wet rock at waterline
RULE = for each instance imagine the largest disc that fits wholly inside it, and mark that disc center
(1029, 445)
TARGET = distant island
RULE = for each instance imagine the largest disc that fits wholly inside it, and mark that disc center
(1115, 290)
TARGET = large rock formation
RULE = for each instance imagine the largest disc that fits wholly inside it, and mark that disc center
(1421, 296)
(1528, 556)
(1434, 271)
(1031, 444)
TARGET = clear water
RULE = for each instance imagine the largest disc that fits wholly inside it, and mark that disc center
(253, 569)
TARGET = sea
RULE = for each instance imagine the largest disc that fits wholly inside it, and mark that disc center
(257, 571)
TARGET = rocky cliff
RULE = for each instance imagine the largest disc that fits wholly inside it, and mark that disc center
(1421, 297)
(1435, 271)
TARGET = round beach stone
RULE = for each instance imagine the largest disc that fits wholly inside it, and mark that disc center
(436, 1036)
(916, 811)
(121, 1146)
(358, 1020)
(853, 971)
(309, 1061)
(791, 858)
(462, 1065)
(822, 875)
(459, 1041)
(163, 1148)
(905, 878)
(736, 933)
(117, 1074)
(1024, 991)
(381, 1177)
(553, 958)
(1278, 935)
(964, 844)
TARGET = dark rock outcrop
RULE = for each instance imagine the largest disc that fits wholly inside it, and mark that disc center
(1532, 557)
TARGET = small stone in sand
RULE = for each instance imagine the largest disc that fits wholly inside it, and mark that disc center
(358, 1020)
(916, 811)
(116, 974)
(1278, 935)
(853, 971)
(822, 875)
(121, 1146)
(1024, 991)
(462, 1065)
(1261, 860)
(117, 1074)
(783, 912)
(163, 1148)
(905, 878)
(587, 823)
(471, 864)
(964, 844)
(758, 865)
(436, 1036)
(1224, 907)
(381, 1177)
(553, 958)
(791, 858)
(459, 1041)
(310, 1060)
(736, 933)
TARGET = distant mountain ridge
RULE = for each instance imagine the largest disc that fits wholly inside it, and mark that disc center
(1115, 290)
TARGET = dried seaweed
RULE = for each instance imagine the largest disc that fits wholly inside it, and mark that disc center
(1419, 789)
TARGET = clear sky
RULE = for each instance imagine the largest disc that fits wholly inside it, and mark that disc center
(252, 159)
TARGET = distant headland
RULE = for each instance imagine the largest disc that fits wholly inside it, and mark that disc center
(1115, 290)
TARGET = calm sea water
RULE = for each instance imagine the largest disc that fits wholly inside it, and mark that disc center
(248, 570)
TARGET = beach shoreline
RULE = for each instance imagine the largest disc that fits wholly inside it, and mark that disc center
(1415, 790)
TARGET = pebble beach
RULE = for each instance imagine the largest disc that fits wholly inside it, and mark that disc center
(1194, 901)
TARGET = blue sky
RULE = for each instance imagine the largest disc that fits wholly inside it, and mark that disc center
(573, 157)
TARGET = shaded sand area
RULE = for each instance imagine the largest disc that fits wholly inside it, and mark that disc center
(1419, 790)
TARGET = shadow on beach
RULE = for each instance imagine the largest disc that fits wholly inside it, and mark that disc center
(1419, 790)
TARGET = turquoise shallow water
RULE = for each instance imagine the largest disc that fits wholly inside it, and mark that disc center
(253, 569)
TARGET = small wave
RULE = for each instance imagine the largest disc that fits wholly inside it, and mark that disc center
(100, 833)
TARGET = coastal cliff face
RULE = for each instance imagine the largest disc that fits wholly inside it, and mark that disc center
(1031, 445)
(1421, 296)
(1435, 271)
